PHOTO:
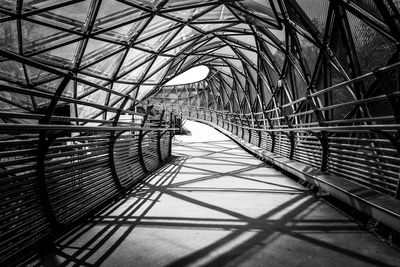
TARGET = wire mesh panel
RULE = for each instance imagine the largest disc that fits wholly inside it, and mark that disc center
(127, 158)
(255, 137)
(150, 150)
(165, 145)
(244, 133)
(78, 175)
(282, 144)
(218, 119)
(185, 112)
(308, 149)
(65, 178)
(266, 141)
(22, 218)
(371, 162)
(207, 115)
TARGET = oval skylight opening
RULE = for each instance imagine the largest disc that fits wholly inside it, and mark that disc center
(192, 75)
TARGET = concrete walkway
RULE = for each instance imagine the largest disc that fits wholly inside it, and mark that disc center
(216, 205)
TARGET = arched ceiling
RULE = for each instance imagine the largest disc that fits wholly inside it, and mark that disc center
(102, 56)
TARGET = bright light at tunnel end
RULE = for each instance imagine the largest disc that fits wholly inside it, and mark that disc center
(192, 75)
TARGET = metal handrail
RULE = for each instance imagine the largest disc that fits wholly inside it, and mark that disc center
(6, 127)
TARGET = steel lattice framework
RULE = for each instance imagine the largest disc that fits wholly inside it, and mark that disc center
(318, 84)
(85, 110)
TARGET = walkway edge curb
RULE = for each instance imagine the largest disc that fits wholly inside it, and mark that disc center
(365, 200)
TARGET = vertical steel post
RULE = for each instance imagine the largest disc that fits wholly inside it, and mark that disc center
(44, 143)
(292, 144)
(113, 167)
(171, 133)
(159, 136)
(273, 141)
(140, 140)
(323, 138)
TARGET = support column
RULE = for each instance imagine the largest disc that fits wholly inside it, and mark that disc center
(171, 133)
(159, 135)
(45, 141)
(140, 140)
(44, 144)
(273, 140)
(292, 144)
(114, 173)
(323, 139)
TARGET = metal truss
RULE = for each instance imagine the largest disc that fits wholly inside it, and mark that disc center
(84, 82)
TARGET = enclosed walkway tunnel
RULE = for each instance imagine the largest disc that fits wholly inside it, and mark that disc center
(92, 93)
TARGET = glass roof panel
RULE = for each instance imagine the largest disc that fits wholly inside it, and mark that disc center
(136, 74)
(157, 24)
(15, 102)
(58, 22)
(175, 50)
(211, 27)
(260, 8)
(123, 33)
(37, 37)
(155, 43)
(246, 39)
(159, 62)
(98, 50)
(184, 3)
(156, 77)
(52, 86)
(112, 13)
(184, 35)
(128, 44)
(106, 67)
(186, 14)
(84, 89)
(31, 5)
(87, 111)
(9, 36)
(63, 56)
(75, 13)
(251, 56)
(12, 71)
(98, 97)
(147, 3)
(134, 58)
(121, 88)
(36, 75)
(221, 13)
(8, 5)
(2, 16)
(143, 90)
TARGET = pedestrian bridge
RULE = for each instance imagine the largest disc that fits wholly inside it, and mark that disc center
(214, 204)
(301, 167)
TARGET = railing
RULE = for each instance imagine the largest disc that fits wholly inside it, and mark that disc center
(323, 130)
(52, 175)
(373, 162)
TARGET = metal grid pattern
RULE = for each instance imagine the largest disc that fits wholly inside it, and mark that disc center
(326, 72)
(85, 110)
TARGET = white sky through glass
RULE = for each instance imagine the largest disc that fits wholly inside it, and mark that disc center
(192, 75)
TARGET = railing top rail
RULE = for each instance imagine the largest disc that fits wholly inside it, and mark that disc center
(341, 128)
(7, 127)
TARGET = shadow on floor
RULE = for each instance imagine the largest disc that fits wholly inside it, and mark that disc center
(213, 206)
